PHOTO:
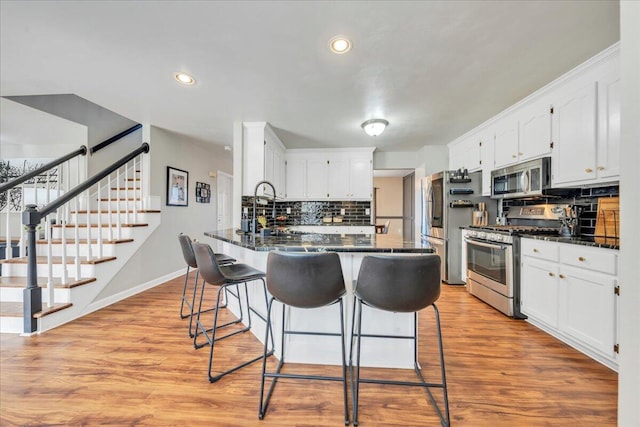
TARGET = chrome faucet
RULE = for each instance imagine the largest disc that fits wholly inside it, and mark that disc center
(255, 198)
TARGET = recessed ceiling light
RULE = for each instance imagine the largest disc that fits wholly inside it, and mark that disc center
(184, 78)
(339, 45)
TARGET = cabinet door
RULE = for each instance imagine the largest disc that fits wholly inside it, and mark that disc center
(361, 178)
(456, 156)
(539, 290)
(269, 163)
(486, 160)
(574, 136)
(317, 169)
(505, 147)
(339, 178)
(535, 131)
(296, 178)
(608, 163)
(587, 303)
(279, 180)
(465, 154)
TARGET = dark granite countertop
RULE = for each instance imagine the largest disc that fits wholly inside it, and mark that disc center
(315, 242)
(598, 242)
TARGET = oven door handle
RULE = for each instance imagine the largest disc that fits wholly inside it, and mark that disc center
(484, 244)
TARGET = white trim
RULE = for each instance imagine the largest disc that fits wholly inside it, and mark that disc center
(368, 150)
(130, 292)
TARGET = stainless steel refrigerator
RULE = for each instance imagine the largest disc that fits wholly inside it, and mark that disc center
(449, 199)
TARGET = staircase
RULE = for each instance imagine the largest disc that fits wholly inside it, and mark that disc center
(103, 239)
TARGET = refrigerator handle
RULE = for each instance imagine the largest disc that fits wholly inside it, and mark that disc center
(430, 203)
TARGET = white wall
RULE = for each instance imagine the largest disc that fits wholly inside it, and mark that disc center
(433, 158)
(161, 254)
(29, 133)
(629, 361)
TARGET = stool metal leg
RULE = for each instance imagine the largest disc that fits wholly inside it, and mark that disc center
(445, 420)
(213, 339)
(264, 402)
(199, 327)
(184, 296)
(192, 329)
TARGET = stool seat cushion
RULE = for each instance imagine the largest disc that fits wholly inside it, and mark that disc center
(402, 284)
(305, 280)
(238, 273)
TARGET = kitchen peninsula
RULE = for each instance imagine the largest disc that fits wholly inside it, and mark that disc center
(352, 248)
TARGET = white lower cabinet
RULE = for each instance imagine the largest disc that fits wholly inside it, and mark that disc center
(539, 294)
(570, 292)
(588, 308)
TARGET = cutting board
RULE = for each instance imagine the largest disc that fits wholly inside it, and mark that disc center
(608, 219)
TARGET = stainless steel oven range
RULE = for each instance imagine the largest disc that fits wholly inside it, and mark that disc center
(493, 254)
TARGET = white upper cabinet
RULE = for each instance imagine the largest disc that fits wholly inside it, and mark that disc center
(339, 171)
(586, 127)
(317, 178)
(296, 177)
(486, 159)
(574, 135)
(535, 130)
(608, 149)
(263, 158)
(505, 149)
(465, 154)
(361, 176)
(339, 174)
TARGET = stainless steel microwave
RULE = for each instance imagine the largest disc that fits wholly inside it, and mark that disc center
(530, 179)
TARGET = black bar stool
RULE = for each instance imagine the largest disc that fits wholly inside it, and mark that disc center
(190, 259)
(223, 277)
(303, 280)
(403, 284)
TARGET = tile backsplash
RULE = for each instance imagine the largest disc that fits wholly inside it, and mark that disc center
(312, 212)
(586, 198)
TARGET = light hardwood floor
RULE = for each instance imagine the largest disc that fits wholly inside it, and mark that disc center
(132, 364)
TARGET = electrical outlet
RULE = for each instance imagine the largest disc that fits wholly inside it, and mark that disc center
(342, 211)
(288, 210)
(367, 211)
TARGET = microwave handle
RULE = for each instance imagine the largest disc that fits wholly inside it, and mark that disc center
(525, 182)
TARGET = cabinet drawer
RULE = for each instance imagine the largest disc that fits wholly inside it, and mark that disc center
(539, 249)
(598, 259)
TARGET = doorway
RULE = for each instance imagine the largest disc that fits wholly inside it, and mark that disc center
(224, 196)
(394, 201)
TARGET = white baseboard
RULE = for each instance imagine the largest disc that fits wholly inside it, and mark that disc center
(133, 291)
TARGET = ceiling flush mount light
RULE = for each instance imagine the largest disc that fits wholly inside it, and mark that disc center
(339, 45)
(184, 79)
(375, 127)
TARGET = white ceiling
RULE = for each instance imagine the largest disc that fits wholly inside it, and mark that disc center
(434, 69)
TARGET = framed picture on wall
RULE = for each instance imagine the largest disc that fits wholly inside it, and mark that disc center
(177, 187)
(203, 192)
